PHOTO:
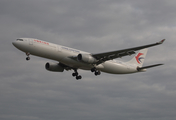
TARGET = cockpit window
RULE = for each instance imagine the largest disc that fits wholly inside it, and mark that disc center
(19, 39)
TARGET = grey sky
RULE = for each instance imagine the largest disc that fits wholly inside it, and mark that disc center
(29, 92)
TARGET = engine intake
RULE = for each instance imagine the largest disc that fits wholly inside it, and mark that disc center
(87, 58)
(54, 67)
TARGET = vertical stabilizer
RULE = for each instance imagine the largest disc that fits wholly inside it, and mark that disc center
(138, 59)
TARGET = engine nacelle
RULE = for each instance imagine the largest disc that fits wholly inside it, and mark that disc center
(86, 58)
(54, 67)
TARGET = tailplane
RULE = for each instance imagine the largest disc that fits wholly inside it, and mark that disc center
(143, 68)
(138, 59)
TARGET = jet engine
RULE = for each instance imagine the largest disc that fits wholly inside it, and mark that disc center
(87, 58)
(54, 67)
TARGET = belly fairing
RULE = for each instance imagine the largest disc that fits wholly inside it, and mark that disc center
(117, 68)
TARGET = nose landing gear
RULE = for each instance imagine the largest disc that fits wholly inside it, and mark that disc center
(27, 58)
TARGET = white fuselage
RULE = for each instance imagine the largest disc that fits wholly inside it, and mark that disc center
(63, 55)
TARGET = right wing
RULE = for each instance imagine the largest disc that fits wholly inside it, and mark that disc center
(102, 57)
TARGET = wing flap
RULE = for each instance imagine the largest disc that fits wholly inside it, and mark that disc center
(113, 56)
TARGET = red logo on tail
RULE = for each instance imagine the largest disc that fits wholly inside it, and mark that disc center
(138, 58)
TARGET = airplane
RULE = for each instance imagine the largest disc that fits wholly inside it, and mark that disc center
(73, 59)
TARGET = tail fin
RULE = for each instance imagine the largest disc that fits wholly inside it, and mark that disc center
(138, 59)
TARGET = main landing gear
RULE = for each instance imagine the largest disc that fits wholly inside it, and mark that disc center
(75, 74)
(96, 72)
(27, 58)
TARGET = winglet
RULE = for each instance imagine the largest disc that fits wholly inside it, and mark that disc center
(161, 41)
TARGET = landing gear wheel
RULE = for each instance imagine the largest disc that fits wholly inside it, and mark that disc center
(74, 74)
(78, 77)
(97, 72)
(93, 70)
(28, 58)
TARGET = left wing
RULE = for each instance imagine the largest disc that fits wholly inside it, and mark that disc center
(102, 57)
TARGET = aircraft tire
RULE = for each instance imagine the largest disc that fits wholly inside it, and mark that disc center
(97, 73)
(74, 74)
(93, 70)
(78, 77)
(28, 58)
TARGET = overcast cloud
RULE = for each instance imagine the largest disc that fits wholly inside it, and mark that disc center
(29, 92)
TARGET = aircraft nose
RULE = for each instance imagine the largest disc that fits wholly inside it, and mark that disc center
(14, 43)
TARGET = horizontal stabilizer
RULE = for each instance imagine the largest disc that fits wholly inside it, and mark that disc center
(139, 69)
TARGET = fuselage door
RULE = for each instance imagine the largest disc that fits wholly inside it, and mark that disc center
(30, 41)
(58, 47)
